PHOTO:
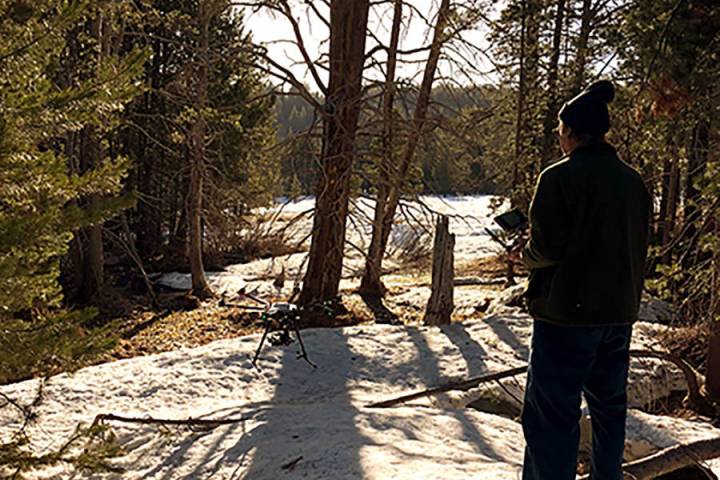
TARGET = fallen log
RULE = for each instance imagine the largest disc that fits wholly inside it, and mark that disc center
(695, 399)
(670, 459)
(469, 281)
(205, 423)
(463, 385)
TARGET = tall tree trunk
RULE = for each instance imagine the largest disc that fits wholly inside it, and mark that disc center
(200, 287)
(93, 258)
(697, 162)
(380, 237)
(348, 23)
(712, 372)
(670, 184)
(660, 227)
(176, 254)
(91, 152)
(371, 283)
(671, 212)
(550, 148)
(149, 166)
(581, 47)
(520, 102)
(528, 136)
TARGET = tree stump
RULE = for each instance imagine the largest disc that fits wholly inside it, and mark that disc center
(440, 305)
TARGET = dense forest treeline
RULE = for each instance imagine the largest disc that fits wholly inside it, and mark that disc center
(448, 164)
(139, 135)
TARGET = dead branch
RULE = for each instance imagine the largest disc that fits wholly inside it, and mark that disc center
(27, 411)
(13, 403)
(202, 423)
(469, 281)
(462, 385)
(129, 243)
(670, 459)
(696, 401)
(287, 12)
(289, 466)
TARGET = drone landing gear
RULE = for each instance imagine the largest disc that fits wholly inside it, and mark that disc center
(287, 315)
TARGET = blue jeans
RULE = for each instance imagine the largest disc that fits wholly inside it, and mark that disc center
(565, 361)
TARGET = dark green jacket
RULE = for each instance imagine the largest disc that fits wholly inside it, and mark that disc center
(588, 240)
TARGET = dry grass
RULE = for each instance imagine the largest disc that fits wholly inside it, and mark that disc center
(488, 267)
(182, 321)
(248, 248)
(688, 342)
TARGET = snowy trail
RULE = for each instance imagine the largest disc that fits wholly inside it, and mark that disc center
(317, 415)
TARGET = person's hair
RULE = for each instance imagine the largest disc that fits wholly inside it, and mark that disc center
(587, 138)
(583, 138)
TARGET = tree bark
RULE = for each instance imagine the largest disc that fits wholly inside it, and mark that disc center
(528, 137)
(670, 459)
(388, 207)
(671, 185)
(348, 23)
(200, 287)
(697, 162)
(94, 257)
(696, 166)
(550, 148)
(520, 102)
(371, 283)
(175, 255)
(663, 230)
(440, 305)
(149, 166)
(91, 152)
(91, 239)
(581, 48)
(712, 372)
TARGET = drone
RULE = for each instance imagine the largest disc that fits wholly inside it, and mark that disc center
(280, 320)
(287, 315)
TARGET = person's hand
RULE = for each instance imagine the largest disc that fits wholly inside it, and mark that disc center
(524, 235)
(515, 251)
(518, 244)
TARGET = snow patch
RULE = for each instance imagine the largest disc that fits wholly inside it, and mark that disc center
(469, 217)
(318, 416)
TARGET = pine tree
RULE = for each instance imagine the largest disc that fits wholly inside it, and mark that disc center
(39, 199)
(675, 64)
(236, 169)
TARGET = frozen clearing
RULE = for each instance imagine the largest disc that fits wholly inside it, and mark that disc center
(301, 422)
(414, 223)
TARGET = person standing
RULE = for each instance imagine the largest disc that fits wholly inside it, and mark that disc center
(586, 252)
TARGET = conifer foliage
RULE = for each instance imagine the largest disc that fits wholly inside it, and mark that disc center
(42, 201)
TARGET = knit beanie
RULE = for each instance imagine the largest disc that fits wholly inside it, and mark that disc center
(587, 113)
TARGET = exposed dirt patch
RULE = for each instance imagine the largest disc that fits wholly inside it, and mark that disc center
(184, 321)
(160, 331)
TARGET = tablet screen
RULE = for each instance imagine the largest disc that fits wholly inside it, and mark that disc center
(511, 220)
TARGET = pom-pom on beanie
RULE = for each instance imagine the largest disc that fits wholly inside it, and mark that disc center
(587, 113)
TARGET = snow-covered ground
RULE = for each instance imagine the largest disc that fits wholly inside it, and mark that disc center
(469, 217)
(304, 422)
(301, 422)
